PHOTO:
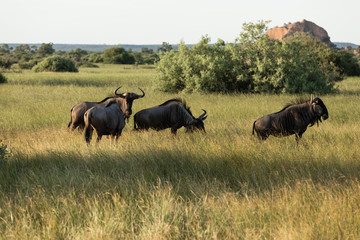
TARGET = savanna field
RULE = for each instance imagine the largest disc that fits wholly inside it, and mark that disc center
(224, 184)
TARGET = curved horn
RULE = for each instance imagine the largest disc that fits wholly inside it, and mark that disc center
(202, 116)
(115, 92)
(143, 93)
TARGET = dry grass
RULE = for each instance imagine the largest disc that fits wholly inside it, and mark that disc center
(149, 185)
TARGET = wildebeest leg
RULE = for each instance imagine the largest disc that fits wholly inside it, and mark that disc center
(298, 137)
(99, 136)
(173, 130)
(81, 127)
(262, 135)
(117, 136)
(77, 124)
(88, 134)
(113, 138)
(71, 126)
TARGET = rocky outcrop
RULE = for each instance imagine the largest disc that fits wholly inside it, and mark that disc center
(279, 33)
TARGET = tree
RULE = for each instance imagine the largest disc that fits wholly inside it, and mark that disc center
(118, 55)
(5, 62)
(347, 63)
(4, 49)
(76, 54)
(147, 51)
(55, 64)
(254, 63)
(95, 57)
(46, 49)
(165, 47)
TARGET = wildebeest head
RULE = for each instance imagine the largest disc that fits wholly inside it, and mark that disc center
(129, 97)
(319, 108)
(197, 123)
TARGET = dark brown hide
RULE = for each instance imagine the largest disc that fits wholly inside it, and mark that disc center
(293, 119)
(78, 110)
(172, 114)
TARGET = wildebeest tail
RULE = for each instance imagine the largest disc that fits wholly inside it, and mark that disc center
(70, 117)
(88, 127)
(253, 128)
(135, 125)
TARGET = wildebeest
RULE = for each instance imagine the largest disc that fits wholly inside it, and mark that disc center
(292, 119)
(79, 109)
(106, 118)
(172, 114)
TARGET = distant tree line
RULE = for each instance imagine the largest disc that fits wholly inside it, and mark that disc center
(30, 57)
(254, 63)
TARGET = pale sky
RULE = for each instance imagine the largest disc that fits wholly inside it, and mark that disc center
(172, 21)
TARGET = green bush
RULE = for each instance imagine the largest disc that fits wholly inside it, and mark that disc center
(27, 64)
(6, 62)
(94, 58)
(118, 55)
(347, 62)
(55, 64)
(2, 78)
(303, 72)
(204, 68)
(254, 63)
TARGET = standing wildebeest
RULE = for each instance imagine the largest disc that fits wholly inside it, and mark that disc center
(78, 110)
(293, 119)
(106, 117)
(172, 114)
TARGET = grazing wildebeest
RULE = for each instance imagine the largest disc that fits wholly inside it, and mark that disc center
(78, 110)
(172, 114)
(292, 119)
(106, 118)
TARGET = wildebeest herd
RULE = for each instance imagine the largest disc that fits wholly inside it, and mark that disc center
(108, 116)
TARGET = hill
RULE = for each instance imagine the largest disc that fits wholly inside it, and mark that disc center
(93, 47)
(345, 44)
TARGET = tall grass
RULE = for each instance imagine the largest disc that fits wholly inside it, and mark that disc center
(224, 184)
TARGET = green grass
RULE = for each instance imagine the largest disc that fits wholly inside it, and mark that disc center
(150, 185)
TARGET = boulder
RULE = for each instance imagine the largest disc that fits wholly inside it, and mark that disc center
(279, 33)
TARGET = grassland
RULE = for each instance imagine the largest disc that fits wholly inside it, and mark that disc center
(149, 185)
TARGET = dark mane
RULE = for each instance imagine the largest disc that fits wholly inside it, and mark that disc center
(298, 101)
(105, 99)
(180, 101)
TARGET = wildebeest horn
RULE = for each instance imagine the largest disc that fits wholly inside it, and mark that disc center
(143, 95)
(202, 116)
(115, 92)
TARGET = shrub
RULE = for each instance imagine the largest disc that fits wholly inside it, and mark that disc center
(302, 71)
(347, 62)
(204, 68)
(6, 62)
(2, 78)
(27, 64)
(55, 64)
(94, 58)
(254, 63)
(118, 55)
